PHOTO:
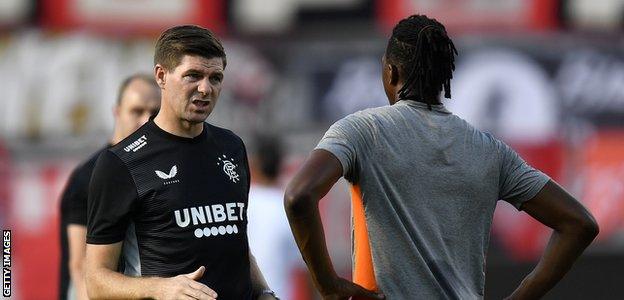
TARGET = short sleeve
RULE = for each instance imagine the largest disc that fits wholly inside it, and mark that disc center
(74, 199)
(519, 182)
(343, 140)
(112, 200)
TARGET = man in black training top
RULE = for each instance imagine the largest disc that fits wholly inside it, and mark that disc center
(174, 193)
(137, 100)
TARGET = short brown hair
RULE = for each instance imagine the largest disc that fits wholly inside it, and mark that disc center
(178, 41)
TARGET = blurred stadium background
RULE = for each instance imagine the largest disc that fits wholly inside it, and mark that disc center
(547, 76)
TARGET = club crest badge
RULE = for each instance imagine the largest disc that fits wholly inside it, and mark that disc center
(229, 168)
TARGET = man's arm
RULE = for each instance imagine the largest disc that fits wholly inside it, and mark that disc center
(104, 283)
(573, 230)
(74, 215)
(76, 240)
(258, 282)
(317, 175)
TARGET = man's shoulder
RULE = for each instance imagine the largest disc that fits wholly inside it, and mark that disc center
(369, 116)
(81, 175)
(85, 168)
(78, 182)
(362, 121)
(132, 143)
(372, 112)
(224, 135)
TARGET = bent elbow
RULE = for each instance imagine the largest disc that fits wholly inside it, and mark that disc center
(590, 227)
(584, 225)
(296, 201)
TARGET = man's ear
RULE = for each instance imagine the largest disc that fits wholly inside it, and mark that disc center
(160, 74)
(394, 74)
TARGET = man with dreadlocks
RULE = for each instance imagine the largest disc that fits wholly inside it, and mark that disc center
(424, 187)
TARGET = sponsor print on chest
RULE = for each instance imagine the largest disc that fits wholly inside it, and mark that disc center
(209, 220)
(206, 217)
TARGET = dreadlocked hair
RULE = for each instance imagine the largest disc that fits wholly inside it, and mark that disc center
(426, 56)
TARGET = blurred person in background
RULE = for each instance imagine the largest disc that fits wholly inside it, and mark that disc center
(174, 193)
(138, 99)
(425, 184)
(269, 233)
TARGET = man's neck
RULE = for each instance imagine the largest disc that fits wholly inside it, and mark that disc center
(178, 127)
(117, 137)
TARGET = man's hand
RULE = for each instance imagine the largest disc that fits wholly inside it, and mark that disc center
(104, 283)
(340, 288)
(185, 286)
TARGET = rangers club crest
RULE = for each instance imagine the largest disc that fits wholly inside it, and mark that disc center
(229, 168)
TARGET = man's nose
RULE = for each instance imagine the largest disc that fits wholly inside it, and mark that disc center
(204, 87)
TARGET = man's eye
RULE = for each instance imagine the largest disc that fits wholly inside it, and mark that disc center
(192, 76)
(217, 79)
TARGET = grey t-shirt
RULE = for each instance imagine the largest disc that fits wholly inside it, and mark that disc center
(429, 184)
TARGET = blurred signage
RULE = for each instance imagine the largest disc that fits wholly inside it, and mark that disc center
(355, 86)
(463, 15)
(590, 82)
(132, 16)
(281, 15)
(603, 180)
(67, 85)
(591, 14)
(13, 12)
(506, 92)
(36, 188)
(71, 73)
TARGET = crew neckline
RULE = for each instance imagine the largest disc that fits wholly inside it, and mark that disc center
(171, 136)
(413, 103)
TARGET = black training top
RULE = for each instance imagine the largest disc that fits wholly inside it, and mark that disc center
(74, 211)
(178, 204)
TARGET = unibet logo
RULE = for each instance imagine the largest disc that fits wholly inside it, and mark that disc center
(136, 145)
(214, 230)
(216, 213)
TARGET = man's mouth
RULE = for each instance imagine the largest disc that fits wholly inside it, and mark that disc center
(201, 103)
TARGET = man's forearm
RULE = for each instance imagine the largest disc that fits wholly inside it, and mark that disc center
(306, 225)
(103, 283)
(258, 282)
(316, 177)
(76, 273)
(563, 249)
(76, 242)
